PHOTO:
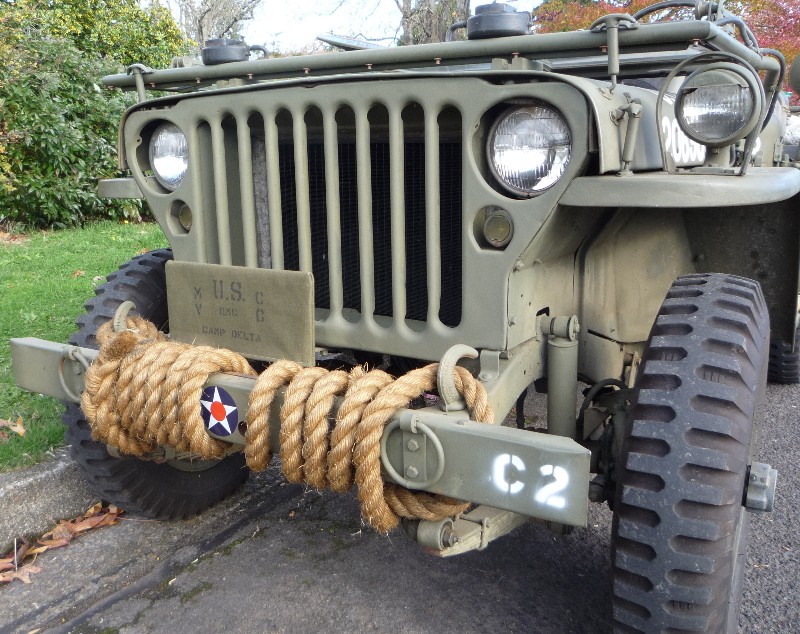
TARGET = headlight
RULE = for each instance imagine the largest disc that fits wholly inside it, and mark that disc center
(717, 106)
(529, 149)
(169, 155)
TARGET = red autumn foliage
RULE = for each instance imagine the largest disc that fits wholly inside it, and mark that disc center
(776, 23)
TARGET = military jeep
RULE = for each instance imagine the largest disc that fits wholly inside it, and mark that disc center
(607, 216)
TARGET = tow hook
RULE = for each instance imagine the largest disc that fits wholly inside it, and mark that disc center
(451, 399)
(759, 492)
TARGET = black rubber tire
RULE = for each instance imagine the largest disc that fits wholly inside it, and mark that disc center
(158, 491)
(784, 363)
(680, 531)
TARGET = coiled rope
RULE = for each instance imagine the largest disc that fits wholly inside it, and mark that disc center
(143, 391)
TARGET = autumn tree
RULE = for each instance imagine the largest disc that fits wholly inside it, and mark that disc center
(776, 23)
(424, 21)
(568, 15)
(201, 20)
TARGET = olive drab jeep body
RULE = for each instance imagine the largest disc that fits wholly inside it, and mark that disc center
(613, 206)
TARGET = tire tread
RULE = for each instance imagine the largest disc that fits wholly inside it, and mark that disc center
(700, 382)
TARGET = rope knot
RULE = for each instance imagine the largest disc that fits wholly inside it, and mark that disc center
(143, 391)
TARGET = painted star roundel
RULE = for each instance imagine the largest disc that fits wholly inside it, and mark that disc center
(218, 410)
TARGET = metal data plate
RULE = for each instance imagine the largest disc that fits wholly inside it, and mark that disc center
(260, 313)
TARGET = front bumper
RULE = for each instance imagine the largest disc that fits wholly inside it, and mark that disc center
(528, 473)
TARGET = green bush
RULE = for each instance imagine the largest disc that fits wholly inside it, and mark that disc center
(58, 126)
(61, 129)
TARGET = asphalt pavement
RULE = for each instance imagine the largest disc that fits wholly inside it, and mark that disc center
(281, 558)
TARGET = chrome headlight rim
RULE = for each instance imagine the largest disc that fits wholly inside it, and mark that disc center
(747, 77)
(173, 181)
(512, 108)
(743, 159)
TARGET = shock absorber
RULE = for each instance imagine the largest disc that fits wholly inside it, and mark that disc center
(562, 374)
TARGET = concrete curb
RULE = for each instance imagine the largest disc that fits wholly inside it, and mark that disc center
(33, 500)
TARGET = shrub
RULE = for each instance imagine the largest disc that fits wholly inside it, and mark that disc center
(58, 127)
(60, 132)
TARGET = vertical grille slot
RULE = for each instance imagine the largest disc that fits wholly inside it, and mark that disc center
(226, 189)
(383, 245)
(368, 199)
(288, 210)
(348, 201)
(221, 191)
(247, 193)
(318, 209)
(415, 225)
(227, 198)
(267, 188)
(450, 227)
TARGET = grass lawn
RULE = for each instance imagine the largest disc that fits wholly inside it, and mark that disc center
(45, 278)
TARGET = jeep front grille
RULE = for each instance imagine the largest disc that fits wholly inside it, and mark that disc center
(369, 200)
(412, 240)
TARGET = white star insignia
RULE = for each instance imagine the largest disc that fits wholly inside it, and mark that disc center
(225, 422)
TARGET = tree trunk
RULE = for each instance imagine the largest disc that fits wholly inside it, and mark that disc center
(425, 21)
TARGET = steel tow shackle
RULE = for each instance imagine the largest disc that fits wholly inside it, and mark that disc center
(445, 376)
(612, 23)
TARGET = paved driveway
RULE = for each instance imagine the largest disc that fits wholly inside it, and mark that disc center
(278, 558)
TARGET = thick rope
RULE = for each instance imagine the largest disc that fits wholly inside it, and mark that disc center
(144, 391)
(138, 371)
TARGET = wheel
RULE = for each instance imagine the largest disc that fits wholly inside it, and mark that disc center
(171, 490)
(784, 364)
(680, 530)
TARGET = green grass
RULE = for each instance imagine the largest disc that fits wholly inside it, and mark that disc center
(45, 278)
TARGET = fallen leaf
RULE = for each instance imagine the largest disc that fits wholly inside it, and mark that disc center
(6, 237)
(50, 544)
(17, 427)
(23, 574)
(67, 530)
(78, 273)
(64, 532)
(22, 551)
(88, 523)
(107, 520)
(12, 558)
